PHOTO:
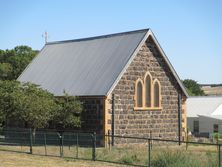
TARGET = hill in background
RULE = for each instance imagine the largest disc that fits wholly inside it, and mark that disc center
(212, 89)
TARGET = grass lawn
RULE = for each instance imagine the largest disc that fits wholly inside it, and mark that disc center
(162, 155)
(11, 159)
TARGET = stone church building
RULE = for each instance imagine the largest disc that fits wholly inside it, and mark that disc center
(125, 81)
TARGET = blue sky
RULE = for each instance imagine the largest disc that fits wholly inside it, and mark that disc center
(190, 32)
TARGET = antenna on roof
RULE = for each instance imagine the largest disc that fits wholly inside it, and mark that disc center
(45, 35)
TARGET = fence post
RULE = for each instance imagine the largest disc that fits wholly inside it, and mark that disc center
(94, 146)
(77, 145)
(30, 134)
(187, 140)
(109, 142)
(149, 152)
(151, 136)
(45, 143)
(61, 144)
(219, 155)
(69, 140)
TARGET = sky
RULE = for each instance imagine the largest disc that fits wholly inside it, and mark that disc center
(190, 32)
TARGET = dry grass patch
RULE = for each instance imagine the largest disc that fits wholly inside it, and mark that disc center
(129, 154)
(10, 159)
(213, 90)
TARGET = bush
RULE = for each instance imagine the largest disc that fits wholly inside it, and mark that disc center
(25, 103)
(68, 113)
(217, 135)
(174, 159)
(129, 159)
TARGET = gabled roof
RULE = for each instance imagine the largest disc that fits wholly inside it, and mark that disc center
(89, 66)
(208, 106)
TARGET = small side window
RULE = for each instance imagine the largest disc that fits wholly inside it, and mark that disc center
(156, 93)
(148, 83)
(139, 94)
(216, 128)
(196, 126)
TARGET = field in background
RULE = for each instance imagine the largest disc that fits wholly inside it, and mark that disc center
(210, 90)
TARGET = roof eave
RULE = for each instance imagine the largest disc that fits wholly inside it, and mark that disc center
(149, 33)
(169, 64)
(128, 62)
(18, 79)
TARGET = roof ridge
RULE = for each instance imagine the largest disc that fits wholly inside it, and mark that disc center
(98, 37)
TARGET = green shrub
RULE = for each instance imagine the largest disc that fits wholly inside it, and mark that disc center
(217, 135)
(174, 159)
(129, 160)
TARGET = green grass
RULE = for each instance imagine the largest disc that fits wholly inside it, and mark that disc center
(162, 155)
(180, 158)
(11, 159)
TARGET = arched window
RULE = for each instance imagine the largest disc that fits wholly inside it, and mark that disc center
(139, 94)
(148, 82)
(147, 93)
(156, 93)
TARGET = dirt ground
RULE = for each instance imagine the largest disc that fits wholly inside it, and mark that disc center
(11, 159)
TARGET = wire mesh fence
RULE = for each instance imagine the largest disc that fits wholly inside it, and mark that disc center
(128, 150)
(15, 140)
(162, 152)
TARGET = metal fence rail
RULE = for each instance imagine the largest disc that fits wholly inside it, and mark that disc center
(185, 146)
(136, 151)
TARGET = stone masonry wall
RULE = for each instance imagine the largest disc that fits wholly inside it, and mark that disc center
(164, 122)
(93, 114)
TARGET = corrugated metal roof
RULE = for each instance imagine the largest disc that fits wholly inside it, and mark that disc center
(83, 67)
(207, 106)
(89, 66)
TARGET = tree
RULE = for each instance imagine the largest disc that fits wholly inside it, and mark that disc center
(68, 114)
(29, 106)
(193, 88)
(26, 103)
(35, 106)
(2, 53)
(14, 61)
(5, 70)
(22, 57)
(7, 106)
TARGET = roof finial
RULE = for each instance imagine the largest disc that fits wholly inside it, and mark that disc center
(45, 35)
